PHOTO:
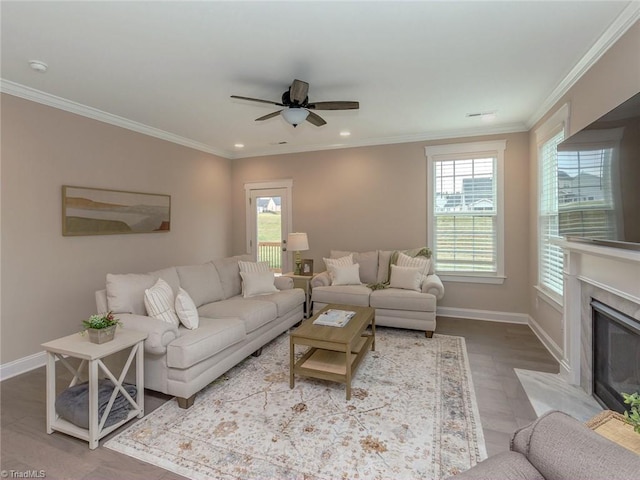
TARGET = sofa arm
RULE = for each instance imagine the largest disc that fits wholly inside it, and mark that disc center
(160, 334)
(321, 280)
(433, 285)
(284, 283)
(504, 465)
(562, 448)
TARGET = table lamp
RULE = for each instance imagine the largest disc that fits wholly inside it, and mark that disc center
(297, 242)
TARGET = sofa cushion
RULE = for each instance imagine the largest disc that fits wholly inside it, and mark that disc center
(202, 282)
(211, 337)
(384, 260)
(347, 275)
(407, 278)
(229, 273)
(253, 312)
(286, 300)
(257, 283)
(423, 263)
(397, 299)
(125, 292)
(160, 302)
(368, 263)
(345, 294)
(169, 275)
(186, 310)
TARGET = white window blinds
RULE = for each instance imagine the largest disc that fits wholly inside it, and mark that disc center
(549, 255)
(465, 211)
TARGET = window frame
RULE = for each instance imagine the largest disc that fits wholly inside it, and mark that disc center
(558, 122)
(461, 151)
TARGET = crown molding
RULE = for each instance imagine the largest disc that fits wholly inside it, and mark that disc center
(371, 142)
(627, 18)
(18, 90)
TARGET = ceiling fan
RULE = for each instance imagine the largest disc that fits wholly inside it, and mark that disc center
(297, 106)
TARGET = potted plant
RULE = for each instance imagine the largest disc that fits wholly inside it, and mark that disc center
(101, 327)
(633, 414)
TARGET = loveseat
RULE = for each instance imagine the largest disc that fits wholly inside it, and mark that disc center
(180, 361)
(557, 446)
(412, 307)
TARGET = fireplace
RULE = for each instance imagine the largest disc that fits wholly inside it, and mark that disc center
(616, 355)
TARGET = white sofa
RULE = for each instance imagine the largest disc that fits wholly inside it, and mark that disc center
(179, 361)
(415, 310)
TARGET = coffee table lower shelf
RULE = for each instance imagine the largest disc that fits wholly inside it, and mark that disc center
(332, 365)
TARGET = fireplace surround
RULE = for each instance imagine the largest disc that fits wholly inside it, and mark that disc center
(607, 275)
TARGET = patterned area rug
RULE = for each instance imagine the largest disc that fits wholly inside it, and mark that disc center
(412, 414)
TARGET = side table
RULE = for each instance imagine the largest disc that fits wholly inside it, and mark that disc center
(91, 355)
(613, 426)
(303, 282)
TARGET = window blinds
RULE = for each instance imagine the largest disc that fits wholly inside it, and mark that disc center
(465, 208)
(550, 256)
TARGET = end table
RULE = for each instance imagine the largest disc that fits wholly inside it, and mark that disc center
(91, 354)
(303, 282)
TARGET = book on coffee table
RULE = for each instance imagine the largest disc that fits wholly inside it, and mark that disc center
(334, 318)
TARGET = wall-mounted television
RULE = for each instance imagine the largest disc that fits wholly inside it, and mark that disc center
(599, 180)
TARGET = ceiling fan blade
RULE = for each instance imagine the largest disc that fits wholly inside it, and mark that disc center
(298, 91)
(268, 116)
(334, 105)
(315, 119)
(258, 100)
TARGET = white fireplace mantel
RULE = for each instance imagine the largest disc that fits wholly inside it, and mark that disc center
(613, 270)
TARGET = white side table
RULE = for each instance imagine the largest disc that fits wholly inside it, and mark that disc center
(303, 282)
(79, 346)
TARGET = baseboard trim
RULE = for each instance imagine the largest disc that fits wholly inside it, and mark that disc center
(484, 315)
(22, 365)
(553, 348)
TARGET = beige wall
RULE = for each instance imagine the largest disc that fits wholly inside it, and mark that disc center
(611, 81)
(375, 198)
(48, 280)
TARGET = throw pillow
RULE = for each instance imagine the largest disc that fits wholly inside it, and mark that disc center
(339, 262)
(423, 263)
(254, 266)
(160, 303)
(257, 283)
(186, 310)
(347, 275)
(406, 278)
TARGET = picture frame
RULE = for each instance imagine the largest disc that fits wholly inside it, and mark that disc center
(100, 211)
(306, 267)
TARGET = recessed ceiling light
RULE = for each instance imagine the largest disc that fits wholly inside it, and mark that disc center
(38, 66)
(239, 145)
(345, 134)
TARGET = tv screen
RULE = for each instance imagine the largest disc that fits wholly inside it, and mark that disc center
(599, 180)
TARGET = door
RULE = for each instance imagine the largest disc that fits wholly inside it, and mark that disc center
(268, 222)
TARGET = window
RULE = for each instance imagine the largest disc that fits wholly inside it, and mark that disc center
(550, 257)
(465, 210)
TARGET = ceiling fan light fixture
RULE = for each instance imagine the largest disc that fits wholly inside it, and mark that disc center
(295, 116)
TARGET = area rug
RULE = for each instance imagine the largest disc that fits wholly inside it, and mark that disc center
(412, 414)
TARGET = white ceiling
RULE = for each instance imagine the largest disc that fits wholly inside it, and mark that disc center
(417, 68)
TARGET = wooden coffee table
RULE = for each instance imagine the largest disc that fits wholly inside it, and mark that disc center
(335, 352)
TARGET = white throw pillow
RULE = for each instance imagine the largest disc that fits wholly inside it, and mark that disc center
(423, 263)
(254, 266)
(160, 304)
(345, 275)
(406, 278)
(186, 310)
(257, 283)
(339, 262)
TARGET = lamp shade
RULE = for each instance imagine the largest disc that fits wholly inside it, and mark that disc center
(295, 116)
(297, 242)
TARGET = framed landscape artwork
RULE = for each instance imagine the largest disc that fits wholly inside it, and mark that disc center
(96, 211)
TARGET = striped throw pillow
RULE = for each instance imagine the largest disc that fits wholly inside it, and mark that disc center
(422, 263)
(159, 302)
(254, 267)
(339, 262)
